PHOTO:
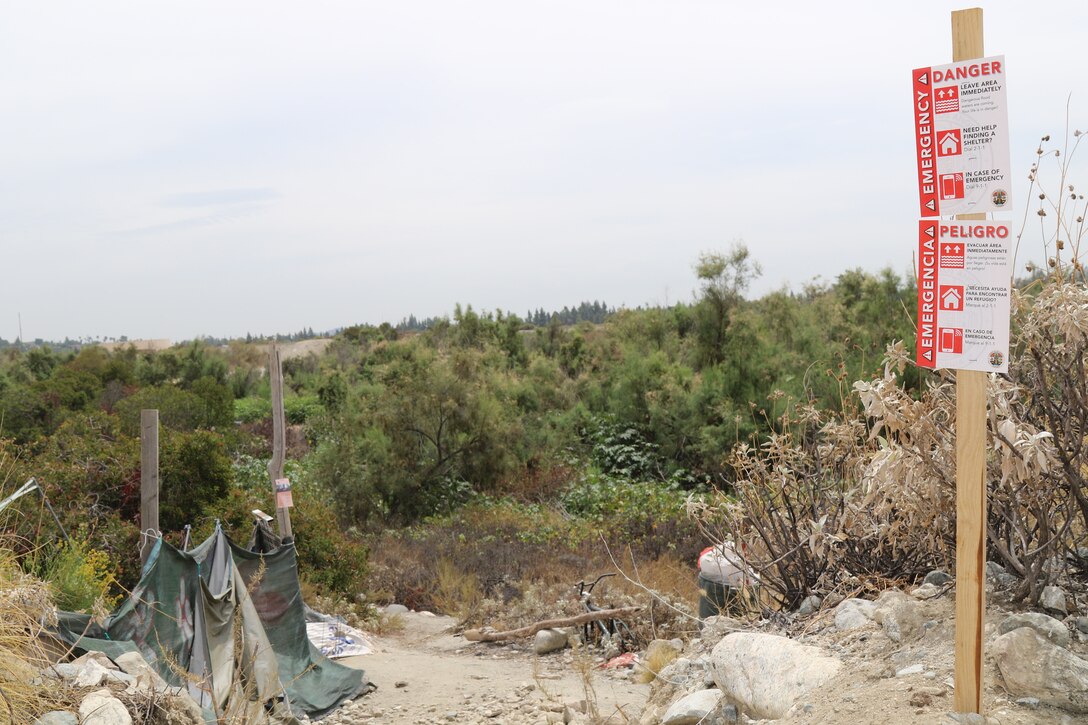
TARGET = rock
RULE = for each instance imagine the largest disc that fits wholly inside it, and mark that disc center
(996, 574)
(181, 709)
(549, 640)
(764, 674)
(102, 708)
(393, 609)
(916, 669)
(899, 615)
(937, 578)
(1033, 667)
(57, 717)
(659, 654)
(718, 626)
(926, 591)
(704, 707)
(1081, 623)
(1053, 598)
(98, 657)
(809, 605)
(90, 670)
(921, 699)
(969, 718)
(853, 613)
(688, 674)
(134, 664)
(1032, 702)
(663, 650)
(1046, 626)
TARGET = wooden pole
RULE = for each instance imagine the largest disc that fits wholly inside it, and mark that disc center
(279, 437)
(149, 481)
(967, 43)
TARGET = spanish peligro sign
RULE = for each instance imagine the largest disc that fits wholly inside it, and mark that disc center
(961, 128)
(963, 295)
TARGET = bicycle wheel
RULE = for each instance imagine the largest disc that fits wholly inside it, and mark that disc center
(623, 637)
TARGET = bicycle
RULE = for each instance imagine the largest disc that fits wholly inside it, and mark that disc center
(604, 632)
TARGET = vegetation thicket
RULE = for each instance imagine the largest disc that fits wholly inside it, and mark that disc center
(518, 455)
(483, 436)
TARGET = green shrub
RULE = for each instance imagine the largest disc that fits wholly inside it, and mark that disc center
(329, 558)
(196, 474)
(299, 410)
(649, 515)
(252, 410)
(80, 577)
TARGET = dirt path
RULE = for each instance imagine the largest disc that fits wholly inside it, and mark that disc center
(425, 674)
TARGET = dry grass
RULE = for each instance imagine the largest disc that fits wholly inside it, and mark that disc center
(653, 662)
(386, 624)
(24, 603)
(457, 592)
(506, 567)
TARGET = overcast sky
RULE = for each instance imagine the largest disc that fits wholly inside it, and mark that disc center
(175, 169)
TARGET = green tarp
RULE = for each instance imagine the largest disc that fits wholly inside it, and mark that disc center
(227, 623)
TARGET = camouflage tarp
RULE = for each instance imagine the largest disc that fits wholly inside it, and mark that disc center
(228, 623)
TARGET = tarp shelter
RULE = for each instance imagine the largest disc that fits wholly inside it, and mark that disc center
(227, 623)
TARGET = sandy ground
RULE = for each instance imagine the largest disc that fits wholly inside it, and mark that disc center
(426, 674)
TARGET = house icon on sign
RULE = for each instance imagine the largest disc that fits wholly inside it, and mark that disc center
(952, 297)
(949, 143)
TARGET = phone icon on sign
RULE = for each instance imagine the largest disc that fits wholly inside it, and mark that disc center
(951, 340)
(952, 186)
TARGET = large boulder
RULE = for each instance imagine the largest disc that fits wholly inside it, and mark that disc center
(1033, 667)
(764, 674)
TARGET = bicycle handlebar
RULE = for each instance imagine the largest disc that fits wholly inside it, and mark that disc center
(583, 590)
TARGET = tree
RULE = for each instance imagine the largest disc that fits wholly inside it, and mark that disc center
(432, 428)
(724, 278)
(196, 477)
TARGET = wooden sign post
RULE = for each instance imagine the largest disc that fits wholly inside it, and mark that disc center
(967, 43)
(149, 480)
(279, 439)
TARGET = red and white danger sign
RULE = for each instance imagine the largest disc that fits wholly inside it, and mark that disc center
(961, 128)
(963, 295)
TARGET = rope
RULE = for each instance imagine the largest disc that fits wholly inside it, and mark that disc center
(146, 536)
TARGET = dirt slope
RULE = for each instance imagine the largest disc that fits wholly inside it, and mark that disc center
(425, 674)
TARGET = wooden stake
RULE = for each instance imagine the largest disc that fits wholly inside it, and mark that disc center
(149, 481)
(967, 43)
(279, 437)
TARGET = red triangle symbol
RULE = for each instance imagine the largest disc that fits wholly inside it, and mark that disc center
(924, 79)
(930, 205)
